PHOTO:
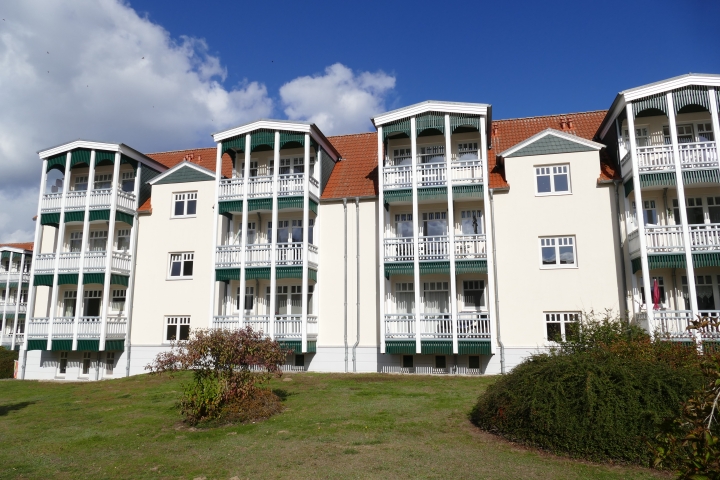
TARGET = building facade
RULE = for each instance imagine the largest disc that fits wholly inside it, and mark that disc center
(444, 242)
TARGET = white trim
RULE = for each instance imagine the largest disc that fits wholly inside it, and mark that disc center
(111, 147)
(701, 79)
(180, 165)
(15, 250)
(556, 133)
(431, 106)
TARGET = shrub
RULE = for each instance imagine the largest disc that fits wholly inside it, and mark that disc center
(228, 368)
(602, 395)
(7, 362)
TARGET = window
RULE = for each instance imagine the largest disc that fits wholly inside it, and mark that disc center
(474, 361)
(75, 241)
(181, 264)
(299, 165)
(128, 182)
(407, 361)
(473, 294)
(642, 137)
(249, 298)
(123, 240)
(23, 296)
(703, 292)
(92, 300)
(103, 181)
(81, 183)
(310, 232)
(288, 305)
(661, 287)
(311, 290)
(297, 231)
(471, 222)
(404, 225)
(86, 363)
(434, 224)
(98, 241)
(62, 366)
(253, 169)
(436, 297)
(558, 252)
(118, 301)
(296, 300)
(694, 211)
(69, 303)
(561, 326)
(185, 204)
(649, 212)
(684, 134)
(705, 133)
(401, 156)
(178, 328)
(299, 360)
(405, 298)
(552, 179)
(467, 151)
(714, 209)
(251, 233)
(109, 363)
(433, 154)
(440, 361)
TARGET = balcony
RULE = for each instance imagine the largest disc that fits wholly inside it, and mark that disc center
(99, 200)
(11, 305)
(470, 326)
(289, 184)
(657, 158)
(465, 168)
(87, 327)
(669, 239)
(259, 255)
(400, 249)
(286, 327)
(469, 247)
(12, 277)
(95, 261)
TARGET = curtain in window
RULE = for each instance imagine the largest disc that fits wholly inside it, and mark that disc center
(405, 302)
(296, 304)
(437, 302)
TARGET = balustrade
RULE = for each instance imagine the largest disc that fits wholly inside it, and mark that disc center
(231, 188)
(705, 237)
(89, 327)
(313, 256)
(395, 177)
(400, 326)
(289, 254)
(673, 323)
(62, 327)
(435, 325)
(95, 260)
(226, 322)
(698, 155)
(466, 171)
(121, 262)
(655, 157)
(434, 248)
(259, 323)
(290, 184)
(399, 249)
(664, 239)
(473, 325)
(126, 200)
(469, 246)
(312, 326)
(116, 327)
(69, 261)
(431, 174)
(260, 186)
(288, 326)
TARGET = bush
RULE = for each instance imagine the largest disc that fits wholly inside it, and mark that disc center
(7, 362)
(602, 395)
(228, 368)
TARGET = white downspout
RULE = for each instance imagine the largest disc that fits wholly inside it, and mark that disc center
(357, 279)
(495, 277)
(346, 285)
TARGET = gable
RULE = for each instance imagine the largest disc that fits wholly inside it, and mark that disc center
(550, 144)
(185, 174)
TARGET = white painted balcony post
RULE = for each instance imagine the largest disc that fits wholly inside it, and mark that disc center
(306, 239)
(243, 229)
(489, 237)
(17, 304)
(416, 233)
(640, 219)
(451, 233)
(5, 299)
(715, 122)
(109, 249)
(682, 205)
(130, 292)
(58, 250)
(273, 240)
(213, 282)
(382, 223)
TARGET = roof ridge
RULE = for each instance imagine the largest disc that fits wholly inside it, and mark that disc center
(179, 150)
(352, 135)
(548, 116)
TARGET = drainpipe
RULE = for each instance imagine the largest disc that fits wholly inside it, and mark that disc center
(357, 279)
(346, 285)
(620, 241)
(131, 305)
(495, 276)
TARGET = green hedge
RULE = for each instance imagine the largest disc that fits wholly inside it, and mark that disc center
(7, 362)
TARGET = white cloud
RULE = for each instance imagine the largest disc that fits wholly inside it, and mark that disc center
(339, 101)
(18, 208)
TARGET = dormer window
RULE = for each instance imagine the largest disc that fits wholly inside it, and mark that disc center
(552, 179)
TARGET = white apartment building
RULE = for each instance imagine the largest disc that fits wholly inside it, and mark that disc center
(15, 261)
(444, 242)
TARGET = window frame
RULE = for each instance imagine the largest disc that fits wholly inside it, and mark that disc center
(177, 321)
(109, 364)
(557, 246)
(481, 288)
(183, 258)
(185, 198)
(562, 320)
(62, 366)
(551, 173)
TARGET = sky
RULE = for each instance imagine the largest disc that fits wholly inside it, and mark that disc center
(163, 75)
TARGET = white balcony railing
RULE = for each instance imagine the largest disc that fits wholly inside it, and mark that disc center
(673, 323)
(22, 307)
(231, 188)
(633, 240)
(126, 200)
(313, 257)
(51, 202)
(37, 327)
(259, 323)
(260, 186)
(69, 261)
(693, 155)
(397, 177)
(655, 157)
(75, 200)
(257, 254)
(116, 327)
(434, 248)
(89, 327)
(664, 239)
(315, 186)
(226, 322)
(312, 326)
(467, 171)
(227, 256)
(399, 249)
(95, 261)
(710, 332)
(473, 325)
(435, 325)
(121, 262)
(288, 326)
(705, 237)
(399, 326)
(469, 247)
(290, 184)
(62, 327)
(101, 198)
(289, 254)
(431, 174)
(44, 262)
(14, 277)
(698, 155)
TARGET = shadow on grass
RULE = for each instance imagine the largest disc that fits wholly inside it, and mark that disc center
(282, 393)
(5, 409)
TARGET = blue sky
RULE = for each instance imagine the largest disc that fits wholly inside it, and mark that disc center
(524, 57)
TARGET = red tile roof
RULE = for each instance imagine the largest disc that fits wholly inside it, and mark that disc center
(205, 157)
(507, 133)
(23, 245)
(356, 174)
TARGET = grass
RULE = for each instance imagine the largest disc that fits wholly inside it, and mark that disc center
(334, 426)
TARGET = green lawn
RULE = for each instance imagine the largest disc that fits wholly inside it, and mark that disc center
(354, 426)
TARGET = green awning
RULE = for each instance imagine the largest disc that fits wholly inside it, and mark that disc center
(99, 215)
(312, 274)
(262, 273)
(432, 193)
(657, 179)
(125, 159)
(43, 280)
(636, 264)
(262, 140)
(67, 279)
(474, 347)
(74, 216)
(629, 187)
(294, 345)
(399, 127)
(236, 143)
(311, 346)
(231, 206)
(470, 266)
(400, 346)
(437, 347)
(290, 202)
(291, 139)
(650, 105)
(666, 261)
(12, 284)
(430, 121)
(464, 121)
(80, 156)
(227, 274)
(114, 345)
(399, 269)
(50, 219)
(691, 95)
(88, 345)
(103, 157)
(94, 278)
(429, 268)
(37, 344)
(259, 204)
(288, 272)
(701, 176)
(313, 206)
(468, 191)
(392, 196)
(122, 280)
(5, 255)
(124, 217)
(668, 179)
(57, 162)
(63, 345)
(701, 260)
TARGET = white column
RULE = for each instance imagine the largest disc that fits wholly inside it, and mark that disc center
(17, 304)
(681, 206)
(243, 228)
(640, 219)
(489, 241)
(381, 238)
(130, 292)
(628, 229)
(79, 303)
(58, 249)
(109, 248)
(416, 233)
(216, 211)
(306, 239)
(715, 122)
(5, 299)
(451, 232)
(273, 240)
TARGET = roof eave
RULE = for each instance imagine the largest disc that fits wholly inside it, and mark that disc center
(431, 106)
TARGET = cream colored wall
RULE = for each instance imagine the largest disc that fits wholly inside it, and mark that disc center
(159, 235)
(526, 290)
(331, 274)
(49, 238)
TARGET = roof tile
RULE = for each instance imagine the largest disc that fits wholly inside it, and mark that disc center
(22, 245)
(356, 174)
